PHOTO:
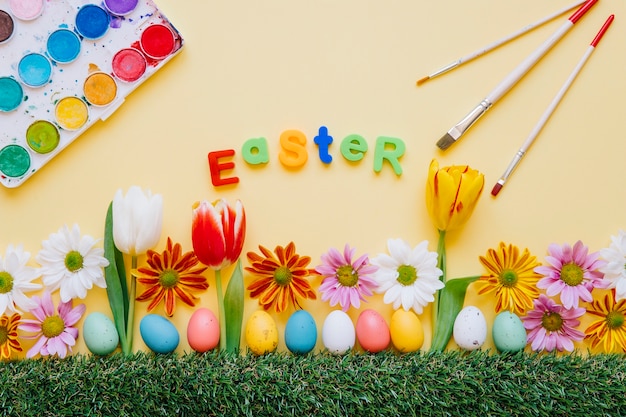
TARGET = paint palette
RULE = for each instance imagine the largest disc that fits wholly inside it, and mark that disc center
(64, 65)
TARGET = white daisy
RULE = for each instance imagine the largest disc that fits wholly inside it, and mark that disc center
(15, 280)
(408, 277)
(615, 268)
(72, 263)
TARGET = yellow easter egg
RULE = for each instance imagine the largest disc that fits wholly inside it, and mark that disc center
(261, 333)
(407, 333)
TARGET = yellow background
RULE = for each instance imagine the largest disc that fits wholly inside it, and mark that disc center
(256, 69)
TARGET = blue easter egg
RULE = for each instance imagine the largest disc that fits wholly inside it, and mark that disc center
(159, 334)
(300, 332)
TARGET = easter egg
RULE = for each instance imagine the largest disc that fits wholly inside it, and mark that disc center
(261, 333)
(158, 333)
(508, 332)
(372, 331)
(300, 332)
(203, 330)
(470, 328)
(100, 334)
(407, 332)
(338, 334)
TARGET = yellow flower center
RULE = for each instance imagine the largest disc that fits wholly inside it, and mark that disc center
(6, 282)
(74, 261)
(508, 278)
(169, 278)
(615, 320)
(552, 321)
(571, 274)
(347, 276)
(282, 276)
(4, 335)
(52, 326)
(407, 274)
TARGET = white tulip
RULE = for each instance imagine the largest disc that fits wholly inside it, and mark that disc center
(137, 220)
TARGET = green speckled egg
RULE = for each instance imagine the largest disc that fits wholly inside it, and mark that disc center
(100, 334)
(509, 334)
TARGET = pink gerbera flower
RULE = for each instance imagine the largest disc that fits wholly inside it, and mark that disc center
(572, 273)
(552, 326)
(345, 282)
(55, 332)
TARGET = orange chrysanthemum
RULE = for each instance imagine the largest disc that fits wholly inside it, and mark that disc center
(511, 276)
(610, 327)
(282, 278)
(8, 336)
(171, 275)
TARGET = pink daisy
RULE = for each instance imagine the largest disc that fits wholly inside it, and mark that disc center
(552, 326)
(345, 282)
(572, 273)
(55, 332)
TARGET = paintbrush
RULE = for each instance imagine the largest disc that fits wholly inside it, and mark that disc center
(499, 42)
(460, 128)
(546, 115)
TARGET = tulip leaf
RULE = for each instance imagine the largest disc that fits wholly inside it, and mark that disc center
(233, 309)
(115, 276)
(451, 299)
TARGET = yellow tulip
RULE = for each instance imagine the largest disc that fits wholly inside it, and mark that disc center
(451, 194)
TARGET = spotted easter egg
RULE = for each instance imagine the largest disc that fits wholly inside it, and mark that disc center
(203, 330)
(407, 332)
(300, 332)
(99, 334)
(261, 333)
(372, 331)
(508, 332)
(470, 328)
(158, 333)
(338, 333)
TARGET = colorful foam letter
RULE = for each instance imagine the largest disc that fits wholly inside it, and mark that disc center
(217, 167)
(255, 151)
(353, 147)
(293, 153)
(323, 141)
(390, 149)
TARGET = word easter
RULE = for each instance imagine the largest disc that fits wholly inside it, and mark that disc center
(293, 153)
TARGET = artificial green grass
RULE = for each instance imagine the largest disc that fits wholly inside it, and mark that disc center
(451, 383)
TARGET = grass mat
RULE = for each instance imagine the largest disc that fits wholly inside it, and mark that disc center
(451, 383)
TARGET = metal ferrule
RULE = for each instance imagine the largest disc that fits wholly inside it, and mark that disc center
(470, 119)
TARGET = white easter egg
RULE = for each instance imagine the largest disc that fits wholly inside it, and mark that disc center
(470, 328)
(338, 333)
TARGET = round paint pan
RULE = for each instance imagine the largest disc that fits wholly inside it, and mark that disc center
(92, 22)
(14, 161)
(120, 7)
(157, 41)
(34, 70)
(26, 9)
(63, 46)
(11, 94)
(129, 64)
(100, 89)
(7, 26)
(71, 113)
(42, 136)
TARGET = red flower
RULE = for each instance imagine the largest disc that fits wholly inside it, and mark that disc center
(170, 275)
(282, 278)
(217, 232)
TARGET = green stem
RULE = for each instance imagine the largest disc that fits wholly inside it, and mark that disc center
(130, 322)
(441, 250)
(441, 264)
(222, 310)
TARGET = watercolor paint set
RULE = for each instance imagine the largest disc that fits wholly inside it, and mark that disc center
(64, 65)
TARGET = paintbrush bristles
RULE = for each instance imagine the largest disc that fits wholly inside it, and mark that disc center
(423, 80)
(445, 142)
